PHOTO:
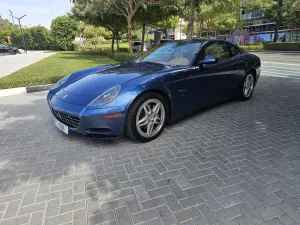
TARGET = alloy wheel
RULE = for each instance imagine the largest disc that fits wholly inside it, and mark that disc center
(248, 85)
(150, 118)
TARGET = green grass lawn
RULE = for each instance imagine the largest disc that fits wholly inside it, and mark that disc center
(122, 45)
(53, 68)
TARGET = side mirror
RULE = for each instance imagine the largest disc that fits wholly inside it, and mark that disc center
(208, 60)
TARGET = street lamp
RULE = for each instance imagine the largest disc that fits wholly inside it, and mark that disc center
(23, 37)
(12, 17)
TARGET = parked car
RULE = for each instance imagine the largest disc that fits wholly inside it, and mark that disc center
(161, 86)
(6, 50)
(137, 46)
(163, 41)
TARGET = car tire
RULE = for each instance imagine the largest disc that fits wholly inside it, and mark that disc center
(11, 52)
(137, 113)
(247, 87)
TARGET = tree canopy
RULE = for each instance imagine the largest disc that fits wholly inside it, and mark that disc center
(64, 30)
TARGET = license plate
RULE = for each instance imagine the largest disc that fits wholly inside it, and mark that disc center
(61, 126)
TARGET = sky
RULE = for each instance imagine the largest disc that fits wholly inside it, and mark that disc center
(37, 11)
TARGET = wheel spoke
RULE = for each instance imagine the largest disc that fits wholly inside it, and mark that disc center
(147, 109)
(143, 121)
(156, 108)
(150, 128)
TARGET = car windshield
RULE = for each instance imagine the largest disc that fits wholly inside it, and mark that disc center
(172, 54)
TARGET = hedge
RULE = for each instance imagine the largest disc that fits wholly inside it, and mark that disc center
(288, 46)
(252, 47)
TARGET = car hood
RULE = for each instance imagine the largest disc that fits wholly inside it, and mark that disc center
(85, 90)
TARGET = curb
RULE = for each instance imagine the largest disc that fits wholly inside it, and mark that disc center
(270, 51)
(25, 90)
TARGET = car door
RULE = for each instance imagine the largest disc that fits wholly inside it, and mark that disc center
(215, 81)
(182, 90)
(237, 58)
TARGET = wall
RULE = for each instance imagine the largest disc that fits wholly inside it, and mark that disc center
(261, 38)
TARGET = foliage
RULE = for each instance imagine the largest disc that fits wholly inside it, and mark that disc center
(36, 38)
(53, 68)
(280, 46)
(6, 27)
(121, 56)
(289, 7)
(64, 30)
(168, 23)
(291, 13)
(93, 12)
(95, 35)
(252, 47)
(4, 33)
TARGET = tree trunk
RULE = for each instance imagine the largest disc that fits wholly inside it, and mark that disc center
(201, 27)
(143, 36)
(129, 20)
(191, 19)
(239, 24)
(117, 40)
(96, 42)
(277, 20)
(113, 43)
(80, 42)
(197, 31)
(84, 41)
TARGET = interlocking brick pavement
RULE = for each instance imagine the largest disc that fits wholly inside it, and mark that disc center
(236, 163)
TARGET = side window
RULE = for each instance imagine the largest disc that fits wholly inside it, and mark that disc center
(233, 50)
(217, 50)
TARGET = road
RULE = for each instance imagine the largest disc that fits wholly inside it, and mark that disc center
(280, 64)
(236, 163)
(12, 63)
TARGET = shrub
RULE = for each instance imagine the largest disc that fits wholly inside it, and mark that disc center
(252, 47)
(120, 56)
(123, 49)
(64, 31)
(76, 46)
(280, 46)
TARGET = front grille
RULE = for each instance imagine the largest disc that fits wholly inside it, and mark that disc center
(70, 121)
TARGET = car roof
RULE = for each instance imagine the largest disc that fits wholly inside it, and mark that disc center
(204, 41)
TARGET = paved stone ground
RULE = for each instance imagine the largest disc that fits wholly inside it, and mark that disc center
(12, 63)
(237, 163)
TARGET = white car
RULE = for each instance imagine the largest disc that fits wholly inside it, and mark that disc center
(21, 51)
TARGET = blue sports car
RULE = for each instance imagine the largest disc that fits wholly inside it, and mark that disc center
(164, 84)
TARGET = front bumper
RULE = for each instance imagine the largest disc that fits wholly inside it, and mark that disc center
(91, 121)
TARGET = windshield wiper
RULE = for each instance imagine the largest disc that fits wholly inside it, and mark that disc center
(151, 62)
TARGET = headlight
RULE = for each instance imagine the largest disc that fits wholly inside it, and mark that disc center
(107, 96)
(60, 82)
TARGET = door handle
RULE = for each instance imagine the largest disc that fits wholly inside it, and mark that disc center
(182, 90)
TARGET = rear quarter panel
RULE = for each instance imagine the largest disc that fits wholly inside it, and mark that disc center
(251, 62)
